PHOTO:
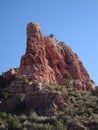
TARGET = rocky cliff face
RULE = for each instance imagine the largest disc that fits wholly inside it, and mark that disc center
(49, 61)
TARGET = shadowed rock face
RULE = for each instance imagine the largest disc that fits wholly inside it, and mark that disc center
(49, 61)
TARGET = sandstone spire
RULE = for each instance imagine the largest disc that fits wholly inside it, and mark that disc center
(34, 63)
(34, 31)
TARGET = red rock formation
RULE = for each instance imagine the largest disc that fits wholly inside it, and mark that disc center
(49, 61)
(9, 75)
(34, 62)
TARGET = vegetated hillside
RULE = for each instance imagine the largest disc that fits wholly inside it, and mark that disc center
(51, 89)
(67, 108)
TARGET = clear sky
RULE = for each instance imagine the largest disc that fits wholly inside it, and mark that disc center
(72, 21)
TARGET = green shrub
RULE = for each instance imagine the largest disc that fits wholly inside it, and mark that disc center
(51, 35)
(14, 123)
(21, 97)
(22, 78)
(21, 102)
(3, 115)
(33, 116)
(59, 125)
(2, 126)
(42, 126)
(5, 95)
(95, 92)
(23, 117)
(68, 83)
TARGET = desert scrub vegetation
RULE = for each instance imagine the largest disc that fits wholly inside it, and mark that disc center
(51, 35)
(81, 112)
(32, 121)
(22, 78)
(5, 95)
(95, 93)
(21, 98)
(54, 88)
(9, 121)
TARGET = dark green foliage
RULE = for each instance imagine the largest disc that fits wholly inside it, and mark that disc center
(5, 95)
(95, 93)
(22, 78)
(9, 122)
(13, 122)
(21, 97)
(59, 125)
(21, 102)
(51, 35)
(81, 112)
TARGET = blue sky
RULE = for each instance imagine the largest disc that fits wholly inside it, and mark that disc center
(72, 21)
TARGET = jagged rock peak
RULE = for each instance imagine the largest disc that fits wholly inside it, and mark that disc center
(34, 31)
(49, 61)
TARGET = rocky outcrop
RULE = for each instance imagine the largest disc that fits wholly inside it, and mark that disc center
(9, 75)
(34, 63)
(45, 100)
(20, 96)
(49, 61)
